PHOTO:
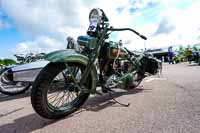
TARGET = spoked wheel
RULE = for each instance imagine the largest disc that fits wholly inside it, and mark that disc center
(9, 87)
(55, 93)
(137, 79)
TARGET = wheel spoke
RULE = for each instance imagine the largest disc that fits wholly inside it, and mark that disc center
(76, 70)
(55, 98)
(67, 99)
(70, 96)
(52, 96)
(59, 100)
(63, 101)
(54, 86)
(73, 95)
(63, 91)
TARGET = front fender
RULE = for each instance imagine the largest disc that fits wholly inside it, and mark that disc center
(70, 55)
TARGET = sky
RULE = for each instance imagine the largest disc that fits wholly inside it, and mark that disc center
(43, 26)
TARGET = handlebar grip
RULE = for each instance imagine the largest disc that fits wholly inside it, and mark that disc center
(143, 37)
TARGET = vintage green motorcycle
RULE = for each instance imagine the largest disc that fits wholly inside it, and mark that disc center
(64, 85)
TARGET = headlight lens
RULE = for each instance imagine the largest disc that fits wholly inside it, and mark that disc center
(95, 16)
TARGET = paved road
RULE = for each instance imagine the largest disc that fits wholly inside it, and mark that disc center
(170, 104)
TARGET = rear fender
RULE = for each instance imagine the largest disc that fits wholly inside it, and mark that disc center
(70, 55)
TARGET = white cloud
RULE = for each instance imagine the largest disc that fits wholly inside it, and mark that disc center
(186, 22)
(41, 44)
(37, 17)
(59, 19)
(50, 21)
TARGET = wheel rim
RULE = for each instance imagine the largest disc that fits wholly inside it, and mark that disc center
(137, 80)
(11, 86)
(62, 93)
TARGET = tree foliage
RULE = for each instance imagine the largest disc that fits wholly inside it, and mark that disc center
(195, 48)
(7, 62)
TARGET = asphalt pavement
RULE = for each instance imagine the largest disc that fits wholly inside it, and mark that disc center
(169, 103)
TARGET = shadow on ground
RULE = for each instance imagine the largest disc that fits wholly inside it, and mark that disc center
(100, 102)
(193, 65)
(33, 122)
(25, 124)
(7, 98)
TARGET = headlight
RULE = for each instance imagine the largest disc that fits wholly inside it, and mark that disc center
(95, 16)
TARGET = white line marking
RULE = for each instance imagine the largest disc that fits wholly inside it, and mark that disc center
(151, 79)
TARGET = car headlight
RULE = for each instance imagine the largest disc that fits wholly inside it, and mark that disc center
(95, 16)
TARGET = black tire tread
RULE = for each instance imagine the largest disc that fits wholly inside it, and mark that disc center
(37, 98)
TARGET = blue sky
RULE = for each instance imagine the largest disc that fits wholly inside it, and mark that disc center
(42, 27)
(9, 36)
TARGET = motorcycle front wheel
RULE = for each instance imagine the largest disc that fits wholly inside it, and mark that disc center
(55, 93)
(9, 87)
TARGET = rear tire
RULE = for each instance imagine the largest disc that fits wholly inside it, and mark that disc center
(136, 81)
(41, 86)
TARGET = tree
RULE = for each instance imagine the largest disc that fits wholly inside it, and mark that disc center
(7, 62)
(195, 48)
(181, 50)
(181, 54)
(1, 62)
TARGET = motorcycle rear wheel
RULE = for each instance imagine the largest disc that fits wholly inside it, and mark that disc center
(54, 80)
(9, 87)
(136, 81)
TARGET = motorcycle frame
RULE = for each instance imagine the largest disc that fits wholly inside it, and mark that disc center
(96, 54)
(102, 35)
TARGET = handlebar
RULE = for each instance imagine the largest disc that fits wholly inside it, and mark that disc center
(123, 29)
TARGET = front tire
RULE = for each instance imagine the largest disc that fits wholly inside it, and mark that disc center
(40, 98)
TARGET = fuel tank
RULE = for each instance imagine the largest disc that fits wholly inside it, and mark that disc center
(113, 50)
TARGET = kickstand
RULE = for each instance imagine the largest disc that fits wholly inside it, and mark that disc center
(122, 104)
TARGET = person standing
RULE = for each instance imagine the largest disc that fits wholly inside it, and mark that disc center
(189, 55)
(163, 59)
(170, 55)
